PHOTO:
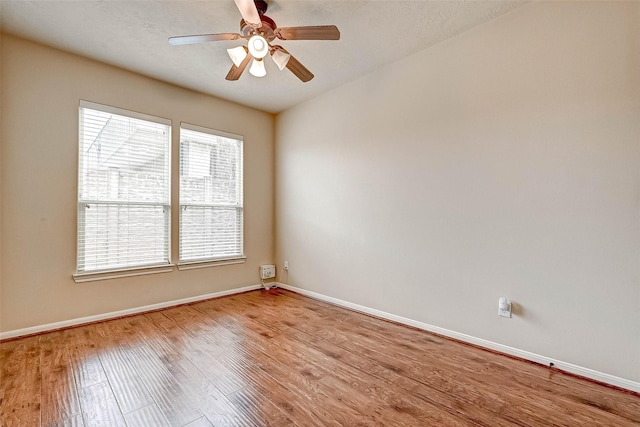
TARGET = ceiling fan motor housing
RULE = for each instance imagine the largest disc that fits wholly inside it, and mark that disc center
(266, 30)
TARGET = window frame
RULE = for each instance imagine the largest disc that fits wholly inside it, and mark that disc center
(186, 264)
(84, 275)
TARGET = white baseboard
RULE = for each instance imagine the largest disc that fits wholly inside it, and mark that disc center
(564, 366)
(114, 314)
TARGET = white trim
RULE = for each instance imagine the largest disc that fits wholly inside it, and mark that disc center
(564, 366)
(117, 274)
(123, 112)
(114, 314)
(210, 263)
(210, 131)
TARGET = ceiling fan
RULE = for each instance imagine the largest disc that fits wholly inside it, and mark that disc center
(261, 31)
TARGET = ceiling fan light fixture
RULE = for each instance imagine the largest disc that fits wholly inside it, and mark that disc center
(260, 31)
(258, 46)
(257, 68)
(280, 58)
(237, 55)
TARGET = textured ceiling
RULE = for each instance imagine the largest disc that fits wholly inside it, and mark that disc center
(133, 35)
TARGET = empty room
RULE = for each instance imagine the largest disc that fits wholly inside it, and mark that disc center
(319, 212)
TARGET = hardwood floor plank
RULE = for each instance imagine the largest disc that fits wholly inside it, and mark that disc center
(161, 321)
(296, 406)
(84, 358)
(347, 385)
(219, 375)
(352, 402)
(431, 399)
(20, 376)
(122, 332)
(127, 386)
(75, 421)
(166, 391)
(99, 407)
(201, 392)
(200, 422)
(276, 358)
(253, 402)
(58, 386)
(150, 415)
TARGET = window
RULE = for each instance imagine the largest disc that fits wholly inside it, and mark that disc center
(124, 190)
(211, 217)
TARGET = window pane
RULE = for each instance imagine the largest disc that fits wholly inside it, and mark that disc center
(210, 169)
(210, 196)
(124, 189)
(210, 232)
(117, 236)
(123, 158)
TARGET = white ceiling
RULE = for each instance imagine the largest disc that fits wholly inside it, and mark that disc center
(133, 34)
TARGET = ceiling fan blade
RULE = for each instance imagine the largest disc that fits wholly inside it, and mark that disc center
(235, 72)
(201, 38)
(249, 12)
(297, 68)
(318, 32)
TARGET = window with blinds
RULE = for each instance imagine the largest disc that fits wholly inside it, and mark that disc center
(124, 189)
(211, 217)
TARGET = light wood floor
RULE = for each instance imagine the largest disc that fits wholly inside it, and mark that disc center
(278, 358)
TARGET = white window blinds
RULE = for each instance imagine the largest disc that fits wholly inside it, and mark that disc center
(124, 188)
(211, 217)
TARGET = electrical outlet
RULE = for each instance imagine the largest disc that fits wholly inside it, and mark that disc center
(504, 313)
(286, 266)
(267, 271)
(504, 307)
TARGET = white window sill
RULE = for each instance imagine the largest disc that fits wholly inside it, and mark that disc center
(127, 272)
(210, 263)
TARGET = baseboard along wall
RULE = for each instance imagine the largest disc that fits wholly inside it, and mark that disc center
(511, 351)
(121, 313)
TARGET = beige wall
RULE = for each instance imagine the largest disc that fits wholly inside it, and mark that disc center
(503, 162)
(41, 88)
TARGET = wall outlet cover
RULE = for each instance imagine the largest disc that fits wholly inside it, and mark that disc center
(267, 271)
(504, 312)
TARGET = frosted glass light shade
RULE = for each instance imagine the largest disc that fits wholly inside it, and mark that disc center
(258, 46)
(280, 58)
(237, 55)
(257, 68)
